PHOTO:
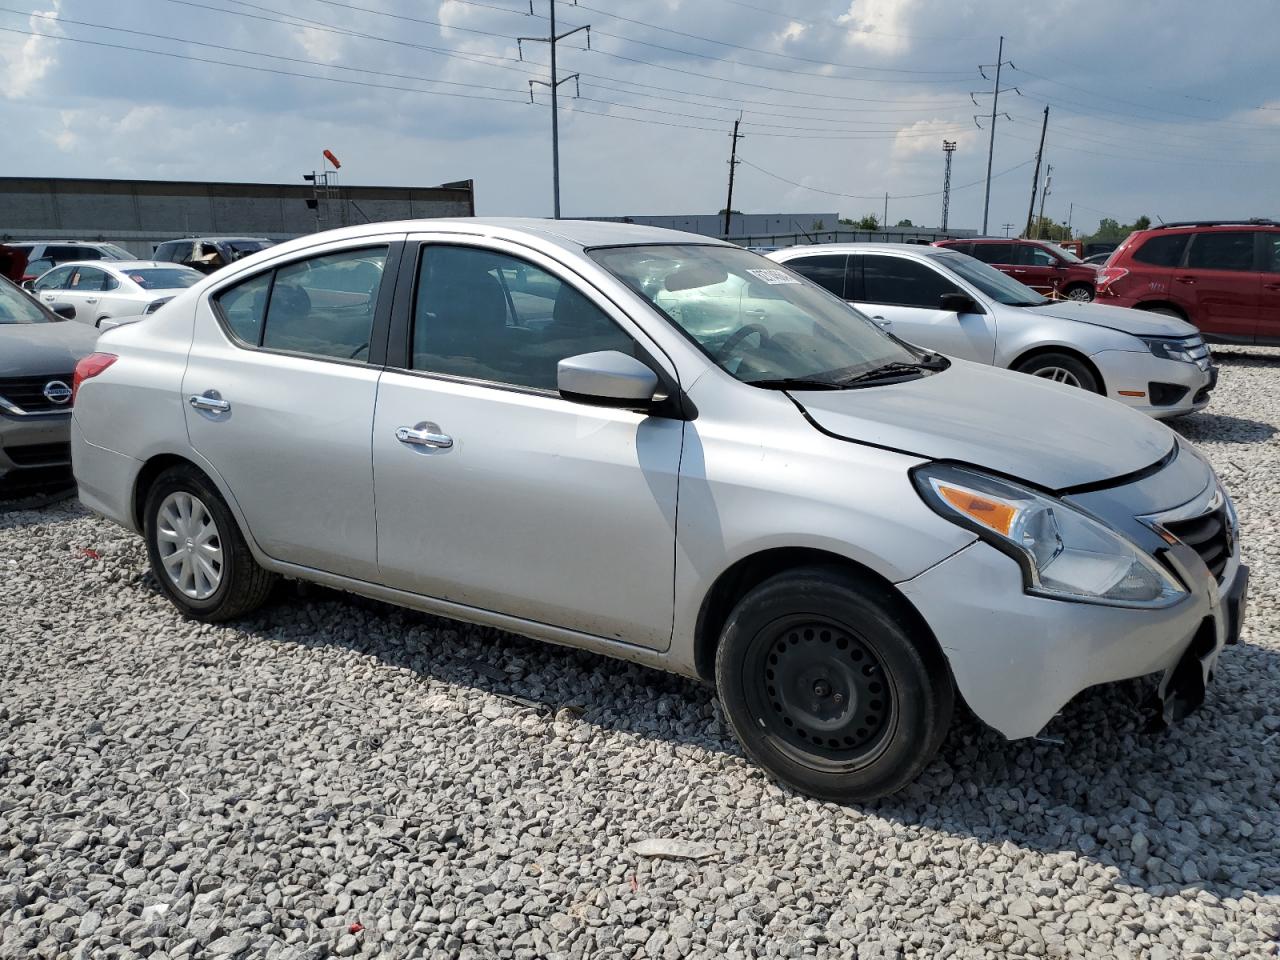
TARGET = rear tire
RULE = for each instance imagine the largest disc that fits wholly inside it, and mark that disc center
(830, 687)
(1061, 368)
(197, 553)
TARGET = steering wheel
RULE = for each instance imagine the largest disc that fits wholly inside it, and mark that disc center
(738, 336)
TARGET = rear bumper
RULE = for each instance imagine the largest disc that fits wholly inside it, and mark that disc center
(1017, 659)
(34, 451)
(105, 478)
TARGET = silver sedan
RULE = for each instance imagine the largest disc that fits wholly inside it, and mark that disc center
(671, 450)
(100, 290)
(960, 306)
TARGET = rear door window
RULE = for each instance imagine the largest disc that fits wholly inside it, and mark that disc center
(1162, 250)
(1222, 250)
(994, 252)
(826, 270)
(63, 254)
(324, 307)
(1035, 256)
(89, 280)
(1271, 252)
(897, 281)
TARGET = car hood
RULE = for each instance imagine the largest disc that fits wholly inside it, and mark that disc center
(1138, 323)
(33, 349)
(1053, 436)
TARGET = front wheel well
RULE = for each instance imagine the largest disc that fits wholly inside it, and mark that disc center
(1068, 351)
(147, 476)
(749, 572)
(1154, 305)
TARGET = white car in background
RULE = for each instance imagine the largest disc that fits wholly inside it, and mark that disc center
(953, 303)
(104, 290)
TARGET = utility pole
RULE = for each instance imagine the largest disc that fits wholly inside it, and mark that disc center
(1048, 179)
(1035, 178)
(733, 163)
(884, 224)
(1007, 228)
(948, 147)
(991, 147)
(554, 84)
(1071, 214)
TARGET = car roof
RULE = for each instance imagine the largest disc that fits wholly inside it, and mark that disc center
(208, 239)
(570, 234)
(916, 248)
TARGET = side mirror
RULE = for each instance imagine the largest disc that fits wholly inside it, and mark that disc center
(65, 310)
(607, 379)
(957, 303)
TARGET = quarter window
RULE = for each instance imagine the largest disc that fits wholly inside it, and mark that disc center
(827, 271)
(244, 306)
(487, 316)
(1163, 250)
(1223, 250)
(901, 282)
(1272, 249)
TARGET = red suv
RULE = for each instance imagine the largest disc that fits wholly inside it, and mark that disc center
(1222, 275)
(1045, 267)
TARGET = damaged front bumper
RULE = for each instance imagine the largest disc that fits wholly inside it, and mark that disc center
(1017, 659)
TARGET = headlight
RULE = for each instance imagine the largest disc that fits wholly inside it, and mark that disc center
(1064, 553)
(1183, 351)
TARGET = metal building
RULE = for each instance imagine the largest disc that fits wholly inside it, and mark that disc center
(139, 214)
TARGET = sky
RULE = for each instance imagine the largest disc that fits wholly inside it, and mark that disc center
(1167, 108)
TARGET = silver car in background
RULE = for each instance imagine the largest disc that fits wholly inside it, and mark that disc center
(960, 306)
(104, 290)
(667, 449)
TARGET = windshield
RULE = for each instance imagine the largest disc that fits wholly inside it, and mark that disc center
(17, 307)
(996, 285)
(756, 319)
(117, 253)
(1067, 255)
(242, 248)
(164, 278)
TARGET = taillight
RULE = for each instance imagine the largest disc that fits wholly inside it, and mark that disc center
(1109, 275)
(88, 368)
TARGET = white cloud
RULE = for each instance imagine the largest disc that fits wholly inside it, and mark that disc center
(914, 139)
(878, 24)
(24, 63)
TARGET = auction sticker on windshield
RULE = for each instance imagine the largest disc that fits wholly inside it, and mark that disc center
(773, 277)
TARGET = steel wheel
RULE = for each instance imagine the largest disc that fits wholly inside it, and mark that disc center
(1058, 375)
(821, 691)
(189, 545)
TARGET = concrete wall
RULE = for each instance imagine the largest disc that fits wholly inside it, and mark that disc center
(138, 214)
(785, 229)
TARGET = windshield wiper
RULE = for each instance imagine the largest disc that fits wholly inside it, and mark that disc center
(894, 370)
(794, 383)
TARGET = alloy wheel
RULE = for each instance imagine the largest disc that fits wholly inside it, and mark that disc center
(189, 545)
(1079, 294)
(1058, 375)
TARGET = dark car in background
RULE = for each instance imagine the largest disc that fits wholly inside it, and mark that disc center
(1221, 275)
(208, 254)
(1044, 267)
(38, 354)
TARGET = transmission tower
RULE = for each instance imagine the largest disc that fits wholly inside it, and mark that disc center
(948, 147)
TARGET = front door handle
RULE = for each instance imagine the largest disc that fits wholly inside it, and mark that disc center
(1272, 286)
(424, 437)
(209, 400)
(1185, 279)
(881, 322)
(91, 300)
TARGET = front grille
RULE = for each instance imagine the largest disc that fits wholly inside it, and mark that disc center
(27, 393)
(39, 454)
(1208, 535)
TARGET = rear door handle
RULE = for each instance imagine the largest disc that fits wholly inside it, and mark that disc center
(1272, 286)
(1185, 279)
(209, 400)
(426, 436)
(91, 300)
(881, 322)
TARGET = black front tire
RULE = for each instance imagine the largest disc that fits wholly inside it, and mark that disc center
(244, 585)
(847, 636)
(1043, 363)
(1079, 292)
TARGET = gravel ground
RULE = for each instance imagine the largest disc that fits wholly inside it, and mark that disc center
(335, 777)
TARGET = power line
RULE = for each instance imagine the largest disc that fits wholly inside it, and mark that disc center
(879, 196)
